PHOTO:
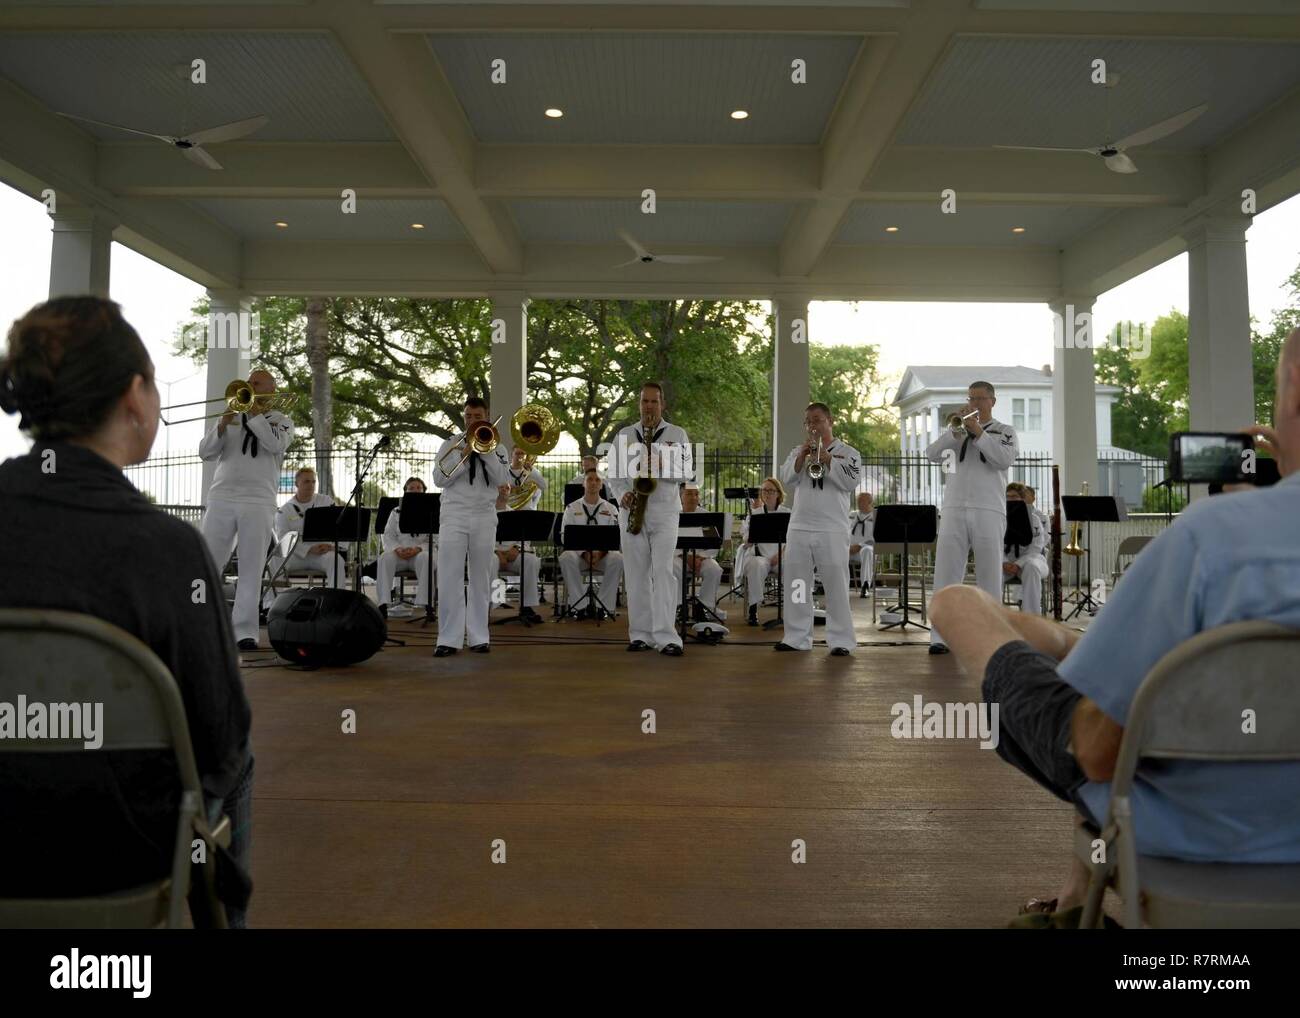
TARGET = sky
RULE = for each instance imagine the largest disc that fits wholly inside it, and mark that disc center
(154, 299)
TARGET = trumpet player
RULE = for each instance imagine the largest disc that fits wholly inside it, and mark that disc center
(249, 448)
(823, 474)
(652, 448)
(467, 533)
(975, 452)
(521, 474)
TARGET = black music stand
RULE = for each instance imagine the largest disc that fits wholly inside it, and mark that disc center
(331, 524)
(904, 524)
(421, 514)
(704, 542)
(1019, 530)
(773, 528)
(1090, 509)
(575, 490)
(590, 537)
(523, 525)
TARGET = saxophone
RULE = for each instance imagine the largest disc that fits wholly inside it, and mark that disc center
(642, 489)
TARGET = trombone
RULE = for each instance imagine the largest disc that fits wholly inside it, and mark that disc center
(239, 398)
(482, 439)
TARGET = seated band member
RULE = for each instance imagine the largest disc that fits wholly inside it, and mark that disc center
(240, 514)
(1029, 562)
(1031, 497)
(314, 558)
(1064, 696)
(405, 551)
(819, 534)
(79, 537)
(519, 475)
(756, 561)
(590, 510)
(591, 463)
(512, 560)
(862, 539)
(704, 561)
(467, 525)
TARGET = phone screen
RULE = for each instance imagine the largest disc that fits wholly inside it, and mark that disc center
(1209, 457)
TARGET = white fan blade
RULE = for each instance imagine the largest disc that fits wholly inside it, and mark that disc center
(118, 127)
(1166, 127)
(632, 243)
(630, 261)
(1040, 148)
(201, 156)
(687, 259)
(1120, 163)
(228, 132)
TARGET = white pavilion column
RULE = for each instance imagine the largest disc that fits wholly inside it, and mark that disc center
(80, 251)
(229, 356)
(1074, 397)
(789, 374)
(508, 381)
(1222, 391)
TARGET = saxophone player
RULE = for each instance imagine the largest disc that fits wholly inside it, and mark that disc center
(654, 449)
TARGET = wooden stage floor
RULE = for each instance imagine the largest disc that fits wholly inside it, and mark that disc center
(540, 744)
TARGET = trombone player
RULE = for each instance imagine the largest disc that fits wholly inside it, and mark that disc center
(976, 451)
(241, 502)
(471, 481)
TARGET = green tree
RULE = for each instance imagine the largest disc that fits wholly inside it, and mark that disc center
(847, 379)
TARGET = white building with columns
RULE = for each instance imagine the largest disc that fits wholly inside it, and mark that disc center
(829, 185)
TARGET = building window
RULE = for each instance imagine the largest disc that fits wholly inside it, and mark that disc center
(1018, 414)
(1035, 415)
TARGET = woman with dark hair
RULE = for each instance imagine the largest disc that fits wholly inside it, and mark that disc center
(80, 537)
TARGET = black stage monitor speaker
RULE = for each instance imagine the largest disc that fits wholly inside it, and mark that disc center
(325, 626)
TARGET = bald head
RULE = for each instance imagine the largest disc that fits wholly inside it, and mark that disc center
(262, 381)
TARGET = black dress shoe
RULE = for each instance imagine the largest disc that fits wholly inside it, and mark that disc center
(784, 646)
(672, 650)
(442, 650)
(638, 645)
(938, 648)
(839, 652)
(698, 613)
(531, 616)
(383, 610)
(248, 645)
(864, 591)
(480, 648)
(753, 615)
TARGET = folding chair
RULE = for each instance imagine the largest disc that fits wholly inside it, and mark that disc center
(65, 657)
(1189, 708)
(1129, 547)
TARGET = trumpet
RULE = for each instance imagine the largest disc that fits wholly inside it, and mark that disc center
(483, 438)
(239, 398)
(816, 468)
(957, 422)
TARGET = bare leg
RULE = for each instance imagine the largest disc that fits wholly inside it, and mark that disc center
(974, 625)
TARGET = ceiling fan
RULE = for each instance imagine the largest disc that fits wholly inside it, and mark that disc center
(1114, 153)
(642, 255)
(191, 145)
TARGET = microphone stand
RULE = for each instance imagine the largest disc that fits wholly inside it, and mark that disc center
(361, 472)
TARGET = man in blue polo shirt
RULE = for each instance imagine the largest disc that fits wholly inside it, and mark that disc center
(1229, 558)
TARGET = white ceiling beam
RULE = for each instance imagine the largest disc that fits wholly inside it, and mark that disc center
(882, 86)
(412, 91)
(884, 272)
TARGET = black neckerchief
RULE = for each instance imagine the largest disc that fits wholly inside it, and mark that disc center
(593, 514)
(249, 437)
(473, 463)
(862, 522)
(820, 483)
(962, 457)
(516, 477)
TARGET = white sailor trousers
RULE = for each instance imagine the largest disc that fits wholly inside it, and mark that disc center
(465, 537)
(829, 554)
(962, 531)
(648, 577)
(245, 528)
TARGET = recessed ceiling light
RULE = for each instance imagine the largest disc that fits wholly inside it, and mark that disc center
(1017, 229)
(417, 226)
(554, 114)
(739, 114)
(282, 224)
(891, 229)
